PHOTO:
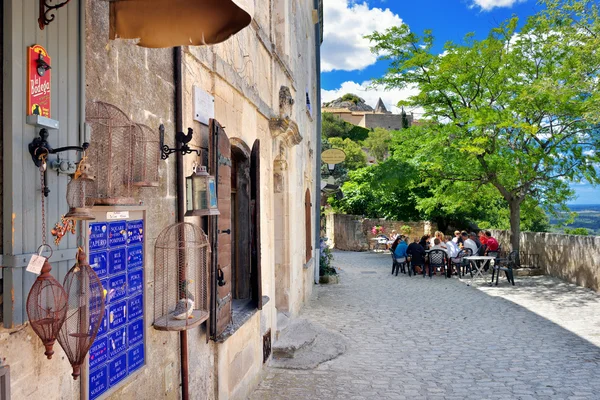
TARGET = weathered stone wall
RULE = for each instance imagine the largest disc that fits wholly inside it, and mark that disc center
(571, 257)
(353, 232)
(386, 121)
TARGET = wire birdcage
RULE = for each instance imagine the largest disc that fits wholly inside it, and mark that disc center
(47, 308)
(111, 153)
(84, 313)
(181, 257)
(146, 157)
(81, 192)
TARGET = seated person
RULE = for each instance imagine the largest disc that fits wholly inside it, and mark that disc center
(492, 243)
(457, 238)
(480, 247)
(482, 237)
(437, 245)
(469, 243)
(417, 254)
(424, 242)
(393, 238)
(400, 250)
(451, 246)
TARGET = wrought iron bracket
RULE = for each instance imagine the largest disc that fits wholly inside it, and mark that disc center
(180, 138)
(46, 11)
(39, 148)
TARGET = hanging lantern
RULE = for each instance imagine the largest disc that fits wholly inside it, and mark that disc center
(46, 308)
(201, 193)
(84, 313)
(81, 192)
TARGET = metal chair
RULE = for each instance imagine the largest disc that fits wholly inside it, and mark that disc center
(437, 259)
(506, 264)
(459, 262)
(399, 266)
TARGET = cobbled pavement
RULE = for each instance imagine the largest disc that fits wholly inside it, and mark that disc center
(416, 338)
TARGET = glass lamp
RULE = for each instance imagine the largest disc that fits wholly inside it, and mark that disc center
(201, 193)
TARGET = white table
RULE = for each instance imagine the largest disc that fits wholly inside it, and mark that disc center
(481, 269)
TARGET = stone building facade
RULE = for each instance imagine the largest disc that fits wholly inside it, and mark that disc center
(261, 82)
(368, 117)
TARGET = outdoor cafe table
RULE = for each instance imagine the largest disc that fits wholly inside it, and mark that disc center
(479, 270)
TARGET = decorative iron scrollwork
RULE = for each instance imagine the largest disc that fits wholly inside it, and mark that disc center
(47, 8)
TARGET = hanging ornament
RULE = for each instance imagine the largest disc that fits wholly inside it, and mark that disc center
(62, 228)
(81, 192)
(84, 313)
(47, 301)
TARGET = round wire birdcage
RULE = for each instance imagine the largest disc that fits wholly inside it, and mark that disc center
(46, 308)
(146, 156)
(181, 257)
(84, 314)
(111, 153)
(81, 192)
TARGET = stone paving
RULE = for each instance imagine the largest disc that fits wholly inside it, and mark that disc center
(416, 338)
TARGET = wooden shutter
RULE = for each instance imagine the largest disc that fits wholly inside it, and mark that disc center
(255, 201)
(308, 225)
(220, 160)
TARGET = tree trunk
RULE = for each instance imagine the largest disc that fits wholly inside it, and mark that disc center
(515, 224)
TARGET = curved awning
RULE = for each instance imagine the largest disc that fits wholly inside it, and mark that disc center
(170, 23)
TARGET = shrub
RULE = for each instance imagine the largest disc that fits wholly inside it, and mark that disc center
(325, 261)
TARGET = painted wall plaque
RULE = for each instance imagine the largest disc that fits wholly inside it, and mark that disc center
(98, 262)
(117, 261)
(117, 233)
(117, 369)
(135, 332)
(39, 81)
(98, 382)
(135, 230)
(136, 358)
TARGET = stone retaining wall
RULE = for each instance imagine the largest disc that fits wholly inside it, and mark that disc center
(571, 257)
(353, 232)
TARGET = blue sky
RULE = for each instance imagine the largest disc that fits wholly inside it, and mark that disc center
(348, 65)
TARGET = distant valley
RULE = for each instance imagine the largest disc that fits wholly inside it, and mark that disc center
(588, 217)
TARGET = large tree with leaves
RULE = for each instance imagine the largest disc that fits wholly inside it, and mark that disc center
(518, 111)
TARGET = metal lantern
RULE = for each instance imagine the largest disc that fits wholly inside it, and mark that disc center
(111, 153)
(81, 192)
(84, 313)
(46, 308)
(181, 257)
(146, 156)
(201, 193)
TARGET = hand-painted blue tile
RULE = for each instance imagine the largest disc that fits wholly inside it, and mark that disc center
(117, 233)
(98, 262)
(117, 370)
(117, 287)
(117, 342)
(98, 382)
(135, 257)
(135, 281)
(117, 315)
(117, 261)
(136, 358)
(103, 324)
(135, 332)
(136, 307)
(135, 230)
(98, 352)
(98, 236)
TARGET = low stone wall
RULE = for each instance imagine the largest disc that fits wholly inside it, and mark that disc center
(353, 232)
(571, 257)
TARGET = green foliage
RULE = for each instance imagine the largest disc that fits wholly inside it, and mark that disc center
(357, 133)
(355, 157)
(334, 126)
(325, 262)
(378, 143)
(405, 230)
(351, 97)
(517, 112)
(576, 231)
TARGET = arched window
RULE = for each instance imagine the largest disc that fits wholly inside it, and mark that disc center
(308, 225)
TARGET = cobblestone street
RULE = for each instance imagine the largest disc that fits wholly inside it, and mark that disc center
(416, 338)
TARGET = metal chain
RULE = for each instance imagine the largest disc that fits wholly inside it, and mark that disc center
(44, 230)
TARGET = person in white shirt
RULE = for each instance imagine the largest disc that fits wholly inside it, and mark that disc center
(456, 237)
(438, 245)
(451, 247)
(469, 243)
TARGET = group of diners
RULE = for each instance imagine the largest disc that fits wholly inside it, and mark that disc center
(416, 252)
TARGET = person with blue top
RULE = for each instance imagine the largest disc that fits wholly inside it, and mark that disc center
(400, 249)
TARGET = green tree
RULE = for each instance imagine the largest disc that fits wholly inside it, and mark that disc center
(576, 231)
(378, 143)
(334, 126)
(355, 157)
(517, 111)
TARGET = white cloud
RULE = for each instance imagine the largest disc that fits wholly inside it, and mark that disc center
(345, 24)
(390, 97)
(487, 5)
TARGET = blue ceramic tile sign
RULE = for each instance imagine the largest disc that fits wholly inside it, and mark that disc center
(117, 255)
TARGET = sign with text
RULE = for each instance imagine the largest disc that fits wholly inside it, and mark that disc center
(38, 81)
(117, 255)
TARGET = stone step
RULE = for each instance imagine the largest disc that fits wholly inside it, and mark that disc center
(299, 333)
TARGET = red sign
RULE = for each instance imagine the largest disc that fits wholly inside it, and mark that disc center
(38, 81)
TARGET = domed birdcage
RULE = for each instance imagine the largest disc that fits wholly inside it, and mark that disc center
(146, 156)
(111, 153)
(46, 308)
(81, 192)
(84, 314)
(181, 257)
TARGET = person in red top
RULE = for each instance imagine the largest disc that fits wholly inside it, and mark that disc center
(482, 237)
(492, 243)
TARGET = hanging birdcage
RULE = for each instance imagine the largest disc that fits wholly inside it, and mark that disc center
(84, 314)
(111, 153)
(181, 257)
(81, 192)
(146, 156)
(46, 307)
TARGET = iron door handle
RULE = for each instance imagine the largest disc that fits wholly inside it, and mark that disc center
(227, 231)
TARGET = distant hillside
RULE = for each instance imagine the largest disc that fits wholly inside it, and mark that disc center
(588, 217)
